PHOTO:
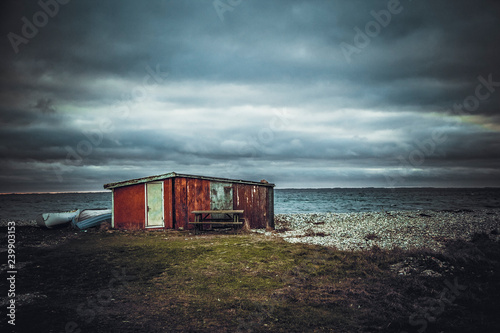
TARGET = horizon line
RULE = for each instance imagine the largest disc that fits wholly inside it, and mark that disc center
(285, 188)
(54, 192)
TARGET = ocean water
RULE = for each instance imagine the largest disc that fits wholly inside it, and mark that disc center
(25, 207)
(346, 200)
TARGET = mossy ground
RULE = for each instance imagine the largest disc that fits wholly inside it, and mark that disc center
(174, 281)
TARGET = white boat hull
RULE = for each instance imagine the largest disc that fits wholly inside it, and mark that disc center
(89, 218)
(89, 213)
(51, 220)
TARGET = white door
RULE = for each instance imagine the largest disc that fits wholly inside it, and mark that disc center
(154, 205)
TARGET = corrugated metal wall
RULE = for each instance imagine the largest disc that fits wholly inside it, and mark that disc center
(190, 194)
(255, 201)
(168, 203)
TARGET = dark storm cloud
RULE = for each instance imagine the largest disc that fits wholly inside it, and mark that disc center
(121, 89)
(45, 105)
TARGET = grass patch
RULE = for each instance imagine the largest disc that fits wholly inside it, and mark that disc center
(174, 281)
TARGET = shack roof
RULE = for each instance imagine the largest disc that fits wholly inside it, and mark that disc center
(174, 175)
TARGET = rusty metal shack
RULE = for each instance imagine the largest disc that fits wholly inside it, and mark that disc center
(167, 201)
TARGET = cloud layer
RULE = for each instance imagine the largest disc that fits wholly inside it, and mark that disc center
(302, 93)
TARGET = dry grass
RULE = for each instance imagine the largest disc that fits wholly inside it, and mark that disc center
(248, 283)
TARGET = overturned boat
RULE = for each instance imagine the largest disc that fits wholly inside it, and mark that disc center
(52, 220)
(89, 218)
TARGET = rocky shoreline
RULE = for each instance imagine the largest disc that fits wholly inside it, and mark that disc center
(388, 230)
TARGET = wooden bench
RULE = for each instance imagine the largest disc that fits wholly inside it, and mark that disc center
(230, 218)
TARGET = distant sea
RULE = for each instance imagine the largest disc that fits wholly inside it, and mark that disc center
(346, 200)
(286, 201)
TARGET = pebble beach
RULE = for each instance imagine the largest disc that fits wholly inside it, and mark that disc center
(388, 230)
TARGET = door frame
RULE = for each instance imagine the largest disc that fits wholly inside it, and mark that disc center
(162, 205)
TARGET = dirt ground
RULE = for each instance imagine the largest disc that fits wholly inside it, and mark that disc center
(114, 281)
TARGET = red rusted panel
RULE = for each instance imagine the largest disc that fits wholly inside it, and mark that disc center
(204, 203)
(262, 206)
(129, 207)
(251, 211)
(254, 200)
(180, 203)
(256, 216)
(198, 197)
(203, 198)
(270, 207)
(241, 200)
(167, 202)
(256, 208)
(190, 194)
(248, 205)
(190, 200)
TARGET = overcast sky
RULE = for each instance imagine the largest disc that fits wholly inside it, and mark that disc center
(301, 93)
